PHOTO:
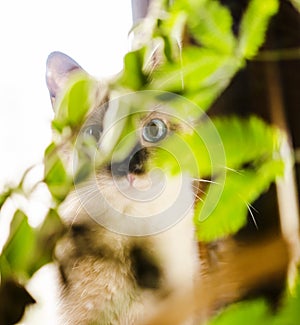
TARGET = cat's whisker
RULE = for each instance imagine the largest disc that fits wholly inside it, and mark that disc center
(89, 195)
(250, 207)
(73, 202)
(232, 170)
(203, 180)
(253, 208)
(198, 189)
(198, 197)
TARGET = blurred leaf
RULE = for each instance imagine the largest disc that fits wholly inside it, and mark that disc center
(220, 143)
(184, 153)
(247, 140)
(258, 312)
(13, 300)
(132, 76)
(289, 311)
(210, 24)
(27, 248)
(226, 213)
(172, 31)
(19, 248)
(198, 68)
(252, 163)
(79, 103)
(246, 313)
(75, 103)
(56, 176)
(46, 237)
(254, 25)
(83, 172)
(4, 196)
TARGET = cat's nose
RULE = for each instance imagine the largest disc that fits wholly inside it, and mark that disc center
(134, 163)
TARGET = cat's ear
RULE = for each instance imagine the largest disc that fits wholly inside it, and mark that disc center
(59, 68)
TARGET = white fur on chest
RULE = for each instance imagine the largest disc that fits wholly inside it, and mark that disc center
(106, 289)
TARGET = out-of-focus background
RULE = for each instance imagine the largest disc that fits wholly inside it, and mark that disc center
(94, 33)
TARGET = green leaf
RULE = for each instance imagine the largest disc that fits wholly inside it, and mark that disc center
(254, 26)
(46, 237)
(27, 249)
(56, 176)
(4, 196)
(231, 142)
(252, 161)
(247, 141)
(75, 104)
(199, 153)
(289, 312)
(246, 313)
(258, 312)
(133, 76)
(210, 24)
(79, 101)
(172, 31)
(19, 248)
(201, 75)
(219, 216)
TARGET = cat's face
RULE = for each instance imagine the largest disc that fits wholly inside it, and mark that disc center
(126, 194)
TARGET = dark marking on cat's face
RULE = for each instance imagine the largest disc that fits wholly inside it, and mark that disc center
(79, 230)
(63, 276)
(145, 270)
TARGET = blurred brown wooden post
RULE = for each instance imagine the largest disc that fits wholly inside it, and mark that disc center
(286, 187)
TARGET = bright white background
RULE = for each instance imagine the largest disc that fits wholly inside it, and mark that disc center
(93, 32)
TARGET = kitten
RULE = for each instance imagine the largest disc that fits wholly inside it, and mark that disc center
(113, 268)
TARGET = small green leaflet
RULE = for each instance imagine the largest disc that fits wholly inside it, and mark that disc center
(133, 76)
(75, 103)
(27, 248)
(57, 178)
(18, 251)
(254, 26)
(210, 23)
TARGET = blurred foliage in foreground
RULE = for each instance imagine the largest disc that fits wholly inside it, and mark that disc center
(198, 54)
(258, 312)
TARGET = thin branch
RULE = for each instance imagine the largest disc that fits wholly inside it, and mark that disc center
(278, 55)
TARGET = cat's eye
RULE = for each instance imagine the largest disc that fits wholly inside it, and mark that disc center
(155, 130)
(93, 131)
